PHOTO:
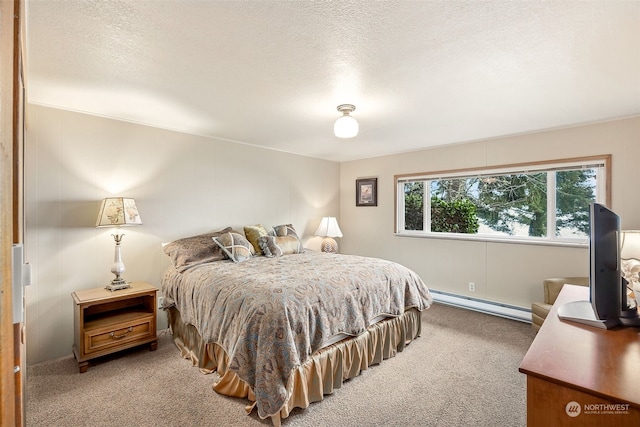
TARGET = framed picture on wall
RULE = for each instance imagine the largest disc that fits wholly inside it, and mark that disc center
(367, 192)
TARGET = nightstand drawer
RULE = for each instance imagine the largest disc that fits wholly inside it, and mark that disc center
(114, 336)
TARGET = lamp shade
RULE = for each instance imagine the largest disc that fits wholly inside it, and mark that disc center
(630, 244)
(630, 261)
(329, 227)
(117, 212)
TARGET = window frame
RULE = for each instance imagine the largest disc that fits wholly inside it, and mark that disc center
(603, 195)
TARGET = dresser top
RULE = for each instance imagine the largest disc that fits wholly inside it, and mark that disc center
(603, 362)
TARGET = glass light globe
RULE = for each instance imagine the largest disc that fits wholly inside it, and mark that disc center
(345, 127)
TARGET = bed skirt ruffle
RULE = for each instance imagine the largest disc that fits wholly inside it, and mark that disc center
(325, 371)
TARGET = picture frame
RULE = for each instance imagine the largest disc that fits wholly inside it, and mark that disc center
(367, 192)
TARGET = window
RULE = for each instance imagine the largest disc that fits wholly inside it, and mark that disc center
(541, 202)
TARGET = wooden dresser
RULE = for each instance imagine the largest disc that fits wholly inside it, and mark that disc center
(109, 321)
(582, 376)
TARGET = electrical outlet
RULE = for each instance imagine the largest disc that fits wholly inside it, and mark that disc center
(472, 287)
(160, 301)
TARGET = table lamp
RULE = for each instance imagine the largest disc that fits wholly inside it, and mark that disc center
(329, 229)
(630, 260)
(118, 212)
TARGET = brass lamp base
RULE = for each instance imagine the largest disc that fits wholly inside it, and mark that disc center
(329, 245)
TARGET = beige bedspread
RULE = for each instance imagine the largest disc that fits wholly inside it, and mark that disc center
(270, 314)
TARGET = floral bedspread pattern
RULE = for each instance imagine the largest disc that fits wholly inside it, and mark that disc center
(271, 314)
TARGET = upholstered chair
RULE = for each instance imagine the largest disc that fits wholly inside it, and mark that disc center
(552, 288)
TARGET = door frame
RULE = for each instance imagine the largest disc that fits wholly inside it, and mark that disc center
(11, 120)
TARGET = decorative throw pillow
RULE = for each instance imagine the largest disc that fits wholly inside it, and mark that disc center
(274, 246)
(288, 230)
(235, 246)
(253, 233)
(191, 251)
(285, 230)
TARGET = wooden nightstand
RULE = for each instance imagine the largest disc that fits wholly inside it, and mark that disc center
(106, 321)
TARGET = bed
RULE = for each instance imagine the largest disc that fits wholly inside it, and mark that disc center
(283, 326)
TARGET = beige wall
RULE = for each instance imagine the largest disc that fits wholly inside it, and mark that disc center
(506, 273)
(183, 185)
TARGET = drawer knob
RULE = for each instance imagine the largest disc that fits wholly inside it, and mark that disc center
(117, 337)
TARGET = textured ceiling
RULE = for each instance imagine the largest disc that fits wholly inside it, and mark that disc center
(271, 73)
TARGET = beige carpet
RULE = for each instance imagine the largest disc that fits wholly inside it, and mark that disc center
(462, 371)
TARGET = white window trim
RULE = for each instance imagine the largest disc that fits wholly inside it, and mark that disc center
(603, 195)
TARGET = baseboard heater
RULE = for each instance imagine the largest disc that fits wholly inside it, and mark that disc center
(490, 307)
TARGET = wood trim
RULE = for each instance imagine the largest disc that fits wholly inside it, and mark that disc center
(7, 105)
(395, 206)
(604, 157)
(18, 115)
(19, 377)
(19, 103)
(11, 117)
(17, 132)
(607, 168)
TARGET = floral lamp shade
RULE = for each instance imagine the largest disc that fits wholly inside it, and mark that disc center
(117, 212)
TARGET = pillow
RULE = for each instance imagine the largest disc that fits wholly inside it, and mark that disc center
(285, 230)
(235, 246)
(288, 230)
(274, 246)
(253, 233)
(191, 251)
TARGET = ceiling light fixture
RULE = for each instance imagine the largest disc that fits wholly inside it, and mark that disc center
(346, 126)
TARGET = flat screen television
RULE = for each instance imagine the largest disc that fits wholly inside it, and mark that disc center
(607, 289)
